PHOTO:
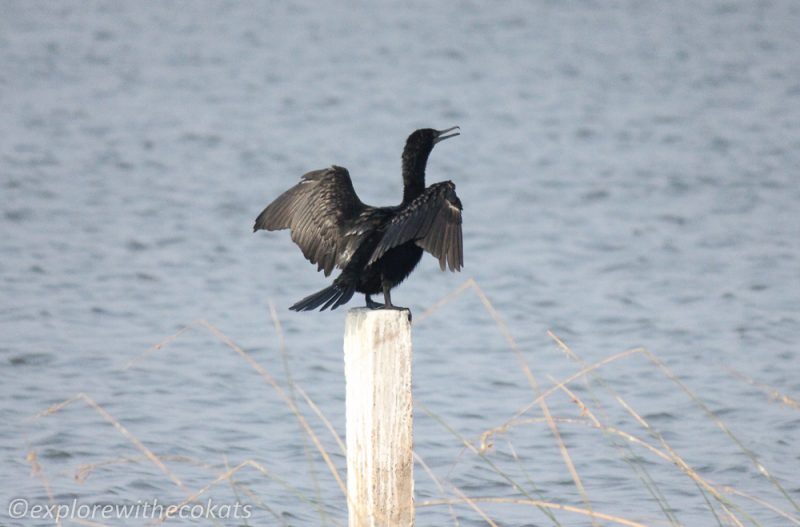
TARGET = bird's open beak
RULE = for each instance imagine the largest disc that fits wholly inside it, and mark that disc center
(440, 134)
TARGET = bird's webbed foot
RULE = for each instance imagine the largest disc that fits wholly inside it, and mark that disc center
(373, 304)
(392, 306)
(397, 308)
(388, 301)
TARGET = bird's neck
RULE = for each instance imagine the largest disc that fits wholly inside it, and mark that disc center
(413, 175)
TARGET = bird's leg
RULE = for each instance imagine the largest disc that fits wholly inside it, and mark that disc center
(387, 297)
(372, 304)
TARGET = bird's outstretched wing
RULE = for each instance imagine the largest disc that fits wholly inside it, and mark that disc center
(315, 210)
(432, 221)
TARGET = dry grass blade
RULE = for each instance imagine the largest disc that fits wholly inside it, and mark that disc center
(684, 466)
(605, 428)
(468, 283)
(722, 426)
(38, 472)
(121, 429)
(232, 483)
(228, 476)
(265, 375)
(774, 393)
(85, 470)
(438, 484)
(568, 461)
(161, 344)
(269, 380)
(664, 456)
(486, 437)
(730, 490)
(236, 486)
(225, 476)
(584, 409)
(311, 404)
(256, 499)
(282, 394)
(290, 382)
(471, 283)
(521, 466)
(702, 484)
(474, 506)
(624, 448)
(541, 505)
(469, 446)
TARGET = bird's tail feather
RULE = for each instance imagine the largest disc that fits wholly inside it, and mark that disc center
(331, 297)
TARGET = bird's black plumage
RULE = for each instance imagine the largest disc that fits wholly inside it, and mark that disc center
(375, 247)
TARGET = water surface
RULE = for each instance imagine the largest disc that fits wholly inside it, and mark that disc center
(629, 177)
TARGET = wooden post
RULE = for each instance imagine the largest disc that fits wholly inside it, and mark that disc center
(377, 369)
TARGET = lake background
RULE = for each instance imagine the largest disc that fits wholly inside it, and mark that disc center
(629, 174)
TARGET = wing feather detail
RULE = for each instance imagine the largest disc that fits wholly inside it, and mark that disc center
(432, 221)
(316, 211)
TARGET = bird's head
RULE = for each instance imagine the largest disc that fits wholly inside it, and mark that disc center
(415, 157)
(420, 143)
(424, 139)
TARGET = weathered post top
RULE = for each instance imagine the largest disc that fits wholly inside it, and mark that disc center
(377, 363)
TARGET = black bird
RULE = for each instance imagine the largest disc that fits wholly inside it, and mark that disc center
(375, 247)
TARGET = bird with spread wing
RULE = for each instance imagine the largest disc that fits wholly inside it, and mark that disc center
(376, 248)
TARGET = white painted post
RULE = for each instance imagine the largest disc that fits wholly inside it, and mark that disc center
(377, 369)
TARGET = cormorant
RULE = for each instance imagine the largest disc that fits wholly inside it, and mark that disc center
(375, 247)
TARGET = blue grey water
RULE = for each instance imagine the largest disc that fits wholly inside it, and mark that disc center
(630, 177)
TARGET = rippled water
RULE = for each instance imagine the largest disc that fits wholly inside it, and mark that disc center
(629, 173)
